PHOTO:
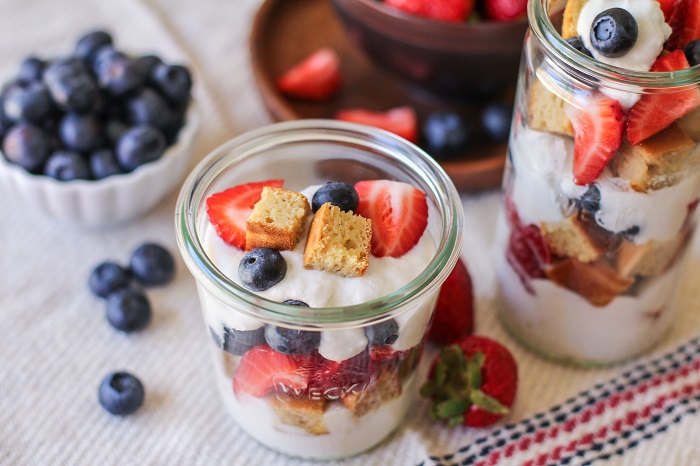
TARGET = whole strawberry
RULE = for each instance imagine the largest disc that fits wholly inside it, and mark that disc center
(472, 383)
(454, 312)
(505, 10)
(441, 10)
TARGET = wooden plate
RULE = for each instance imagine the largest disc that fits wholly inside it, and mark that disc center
(286, 31)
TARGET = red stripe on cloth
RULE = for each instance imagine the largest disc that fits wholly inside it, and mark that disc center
(628, 421)
(613, 401)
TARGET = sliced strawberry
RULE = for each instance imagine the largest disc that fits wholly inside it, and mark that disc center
(685, 23)
(473, 382)
(263, 369)
(657, 111)
(668, 7)
(330, 375)
(505, 10)
(399, 215)
(527, 252)
(441, 10)
(454, 313)
(598, 128)
(400, 120)
(229, 210)
(316, 77)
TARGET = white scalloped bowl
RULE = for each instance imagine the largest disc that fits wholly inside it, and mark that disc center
(112, 200)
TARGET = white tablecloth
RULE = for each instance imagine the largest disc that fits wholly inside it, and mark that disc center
(56, 345)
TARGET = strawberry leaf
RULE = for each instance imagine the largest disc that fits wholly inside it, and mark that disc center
(487, 403)
(451, 408)
(476, 362)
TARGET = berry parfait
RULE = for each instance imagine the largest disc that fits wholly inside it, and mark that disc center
(602, 182)
(318, 249)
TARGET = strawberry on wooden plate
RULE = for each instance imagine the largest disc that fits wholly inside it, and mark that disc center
(230, 209)
(399, 215)
(441, 10)
(657, 111)
(317, 77)
(473, 382)
(505, 10)
(598, 126)
(401, 121)
(454, 312)
(262, 369)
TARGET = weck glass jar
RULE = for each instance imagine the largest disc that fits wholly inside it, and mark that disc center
(600, 188)
(348, 390)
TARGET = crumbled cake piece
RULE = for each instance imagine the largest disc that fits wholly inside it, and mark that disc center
(301, 412)
(572, 11)
(229, 362)
(690, 124)
(577, 236)
(387, 386)
(657, 162)
(597, 282)
(650, 258)
(545, 111)
(338, 242)
(277, 220)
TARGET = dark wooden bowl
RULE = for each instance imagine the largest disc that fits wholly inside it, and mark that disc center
(286, 31)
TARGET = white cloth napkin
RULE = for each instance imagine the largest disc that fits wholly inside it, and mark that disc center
(56, 344)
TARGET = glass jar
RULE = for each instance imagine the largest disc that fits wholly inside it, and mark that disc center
(590, 248)
(353, 390)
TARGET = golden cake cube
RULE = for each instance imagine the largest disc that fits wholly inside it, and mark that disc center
(277, 220)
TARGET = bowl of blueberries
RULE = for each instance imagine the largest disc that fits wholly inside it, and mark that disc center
(98, 137)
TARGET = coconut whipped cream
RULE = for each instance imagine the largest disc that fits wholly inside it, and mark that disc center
(652, 32)
(543, 187)
(323, 289)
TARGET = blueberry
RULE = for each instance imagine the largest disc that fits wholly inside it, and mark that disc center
(103, 163)
(120, 75)
(149, 108)
(173, 81)
(495, 119)
(152, 264)
(262, 268)
(26, 145)
(295, 302)
(239, 341)
(128, 310)
(692, 52)
(590, 200)
(71, 86)
(121, 393)
(445, 134)
(230, 346)
(66, 166)
(113, 129)
(291, 341)
(614, 32)
(5, 123)
(339, 194)
(87, 46)
(107, 278)
(383, 333)
(80, 132)
(139, 145)
(31, 69)
(577, 43)
(27, 100)
(631, 232)
(148, 63)
(103, 56)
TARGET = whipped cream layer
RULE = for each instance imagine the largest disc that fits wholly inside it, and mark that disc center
(317, 288)
(652, 32)
(543, 186)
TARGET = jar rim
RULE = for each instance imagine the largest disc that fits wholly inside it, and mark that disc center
(556, 47)
(242, 146)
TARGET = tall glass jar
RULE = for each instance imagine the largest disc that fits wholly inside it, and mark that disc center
(600, 193)
(352, 387)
